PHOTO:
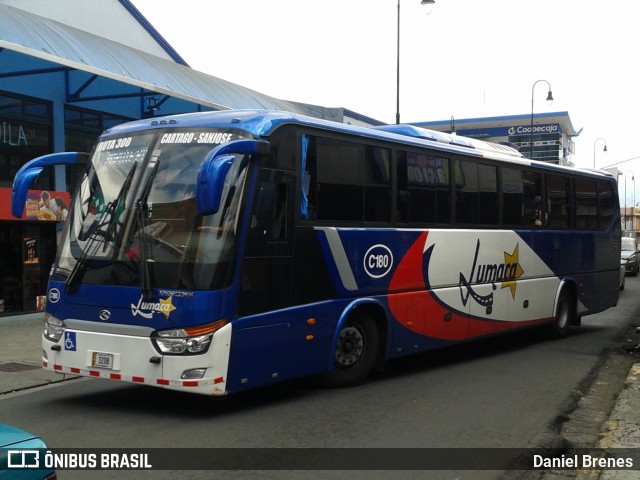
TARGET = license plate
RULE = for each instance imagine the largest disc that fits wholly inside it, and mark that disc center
(102, 360)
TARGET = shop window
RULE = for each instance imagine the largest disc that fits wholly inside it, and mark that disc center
(82, 128)
(25, 133)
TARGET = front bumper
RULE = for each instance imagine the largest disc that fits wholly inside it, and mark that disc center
(136, 360)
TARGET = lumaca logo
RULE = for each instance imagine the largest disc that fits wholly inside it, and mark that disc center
(147, 309)
(506, 273)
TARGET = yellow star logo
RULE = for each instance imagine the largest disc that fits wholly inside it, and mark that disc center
(166, 307)
(512, 271)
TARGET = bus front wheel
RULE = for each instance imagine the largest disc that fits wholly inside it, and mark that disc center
(356, 352)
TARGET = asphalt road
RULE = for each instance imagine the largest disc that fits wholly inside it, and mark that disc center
(506, 392)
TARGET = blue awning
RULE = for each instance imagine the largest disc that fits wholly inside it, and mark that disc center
(49, 47)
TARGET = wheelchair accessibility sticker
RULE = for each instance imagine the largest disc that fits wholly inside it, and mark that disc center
(70, 341)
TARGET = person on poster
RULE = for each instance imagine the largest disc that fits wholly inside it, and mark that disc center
(45, 212)
(60, 209)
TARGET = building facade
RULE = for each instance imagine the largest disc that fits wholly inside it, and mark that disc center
(547, 137)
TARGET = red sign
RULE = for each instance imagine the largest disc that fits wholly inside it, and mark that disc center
(41, 205)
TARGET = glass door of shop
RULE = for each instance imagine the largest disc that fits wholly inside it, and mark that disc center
(10, 267)
(27, 251)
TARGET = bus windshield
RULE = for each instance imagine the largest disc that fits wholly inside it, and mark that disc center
(133, 220)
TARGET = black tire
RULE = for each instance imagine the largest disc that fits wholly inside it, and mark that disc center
(565, 315)
(356, 352)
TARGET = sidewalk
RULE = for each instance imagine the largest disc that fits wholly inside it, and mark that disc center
(20, 368)
(21, 354)
(622, 430)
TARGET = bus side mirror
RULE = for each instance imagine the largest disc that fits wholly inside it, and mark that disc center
(211, 182)
(30, 170)
(215, 167)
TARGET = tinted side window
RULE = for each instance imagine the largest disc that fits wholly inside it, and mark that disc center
(606, 204)
(512, 197)
(377, 186)
(423, 188)
(557, 202)
(488, 194)
(533, 211)
(586, 204)
(476, 193)
(466, 191)
(348, 181)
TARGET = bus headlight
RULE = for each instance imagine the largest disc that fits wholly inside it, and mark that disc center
(53, 328)
(186, 341)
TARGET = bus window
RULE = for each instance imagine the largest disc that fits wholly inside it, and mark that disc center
(488, 191)
(512, 197)
(606, 204)
(557, 197)
(533, 211)
(427, 191)
(466, 183)
(586, 204)
(377, 187)
(340, 191)
(353, 182)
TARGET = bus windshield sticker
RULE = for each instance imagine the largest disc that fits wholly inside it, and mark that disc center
(212, 138)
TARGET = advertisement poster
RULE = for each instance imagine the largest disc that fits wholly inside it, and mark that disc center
(31, 250)
(41, 205)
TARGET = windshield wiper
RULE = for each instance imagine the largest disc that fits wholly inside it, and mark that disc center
(142, 208)
(109, 219)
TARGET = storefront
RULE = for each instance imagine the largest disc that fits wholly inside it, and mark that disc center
(28, 245)
(66, 76)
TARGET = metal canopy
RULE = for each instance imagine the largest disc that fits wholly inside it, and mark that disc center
(98, 69)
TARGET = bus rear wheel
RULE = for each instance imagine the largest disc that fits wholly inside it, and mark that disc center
(565, 313)
(356, 352)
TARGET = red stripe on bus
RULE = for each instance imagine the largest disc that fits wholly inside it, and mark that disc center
(218, 380)
(137, 379)
(94, 373)
(115, 376)
(74, 370)
(162, 381)
(189, 384)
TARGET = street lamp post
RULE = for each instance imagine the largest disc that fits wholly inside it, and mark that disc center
(549, 99)
(423, 2)
(625, 194)
(594, 149)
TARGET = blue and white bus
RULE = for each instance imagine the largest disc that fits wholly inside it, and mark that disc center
(221, 251)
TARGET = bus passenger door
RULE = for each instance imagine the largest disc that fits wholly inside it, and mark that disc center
(266, 274)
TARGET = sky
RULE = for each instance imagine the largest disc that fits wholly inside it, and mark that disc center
(460, 58)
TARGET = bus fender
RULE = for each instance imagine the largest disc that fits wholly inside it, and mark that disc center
(567, 285)
(566, 290)
(350, 308)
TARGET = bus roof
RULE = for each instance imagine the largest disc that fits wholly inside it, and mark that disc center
(261, 123)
